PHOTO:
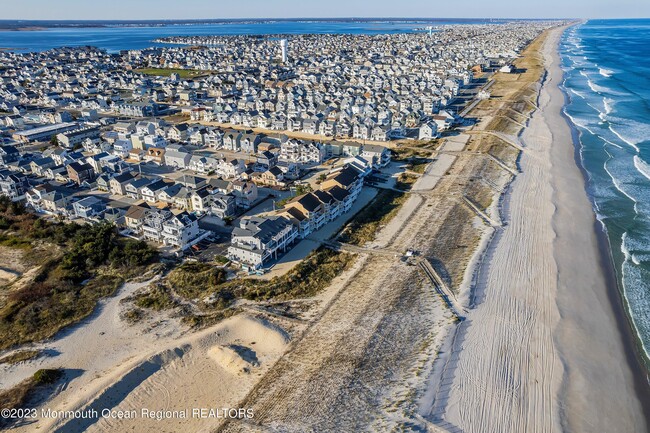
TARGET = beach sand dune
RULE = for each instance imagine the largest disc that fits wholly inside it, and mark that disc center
(211, 369)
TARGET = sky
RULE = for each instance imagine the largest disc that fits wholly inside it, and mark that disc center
(204, 9)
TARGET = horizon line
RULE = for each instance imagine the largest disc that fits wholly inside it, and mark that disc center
(300, 18)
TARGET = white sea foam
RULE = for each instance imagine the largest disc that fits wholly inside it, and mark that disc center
(635, 290)
(642, 166)
(626, 250)
(630, 131)
(626, 141)
(575, 92)
(579, 121)
(610, 143)
(601, 89)
(617, 183)
(605, 72)
(608, 104)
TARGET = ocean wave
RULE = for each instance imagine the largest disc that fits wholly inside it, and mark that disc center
(605, 72)
(617, 184)
(625, 249)
(610, 142)
(629, 131)
(579, 122)
(608, 104)
(602, 89)
(642, 166)
(577, 93)
(635, 290)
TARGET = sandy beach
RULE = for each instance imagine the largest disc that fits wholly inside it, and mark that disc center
(543, 350)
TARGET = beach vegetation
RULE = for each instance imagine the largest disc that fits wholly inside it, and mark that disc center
(20, 395)
(19, 356)
(405, 181)
(366, 223)
(87, 262)
(205, 287)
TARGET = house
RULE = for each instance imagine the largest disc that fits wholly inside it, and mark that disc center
(245, 193)
(13, 185)
(35, 195)
(156, 155)
(202, 164)
(343, 148)
(378, 156)
(95, 161)
(222, 205)
(347, 178)
(134, 187)
(344, 198)
(332, 207)
(192, 182)
(96, 146)
(138, 109)
(271, 177)
(136, 155)
(75, 138)
(249, 142)
(428, 131)
(303, 152)
(145, 127)
(89, 207)
(230, 168)
(231, 140)
(58, 173)
(177, 156)
(149, 192)
(103, 182)
(183, 199)
(168, 195)
(180, 230)
(118, 183)
(8, 154)
(39, 165)
(260, 239)
(152, 225)
(178, 132)
(267, 159)
(360, 164)
(122, 148)
(80, 172)
(135, 216)
(55, 203)
(201, 200)
(310, 206)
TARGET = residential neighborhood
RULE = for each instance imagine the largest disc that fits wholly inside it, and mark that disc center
(89, 135)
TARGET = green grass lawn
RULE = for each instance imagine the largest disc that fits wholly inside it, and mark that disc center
(166, 72)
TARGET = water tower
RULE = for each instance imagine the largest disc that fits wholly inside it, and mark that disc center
(284, 46)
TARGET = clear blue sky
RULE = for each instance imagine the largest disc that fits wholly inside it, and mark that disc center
(179, 9)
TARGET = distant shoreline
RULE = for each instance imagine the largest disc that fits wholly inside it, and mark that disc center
(39, 25)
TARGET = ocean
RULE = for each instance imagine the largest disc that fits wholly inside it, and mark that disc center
(116, 38)
(607, 81)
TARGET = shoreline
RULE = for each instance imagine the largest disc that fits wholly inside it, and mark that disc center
(578, 376)
(559, 357)
(635, 356)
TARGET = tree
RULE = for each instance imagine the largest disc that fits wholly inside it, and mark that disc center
(54, 141)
